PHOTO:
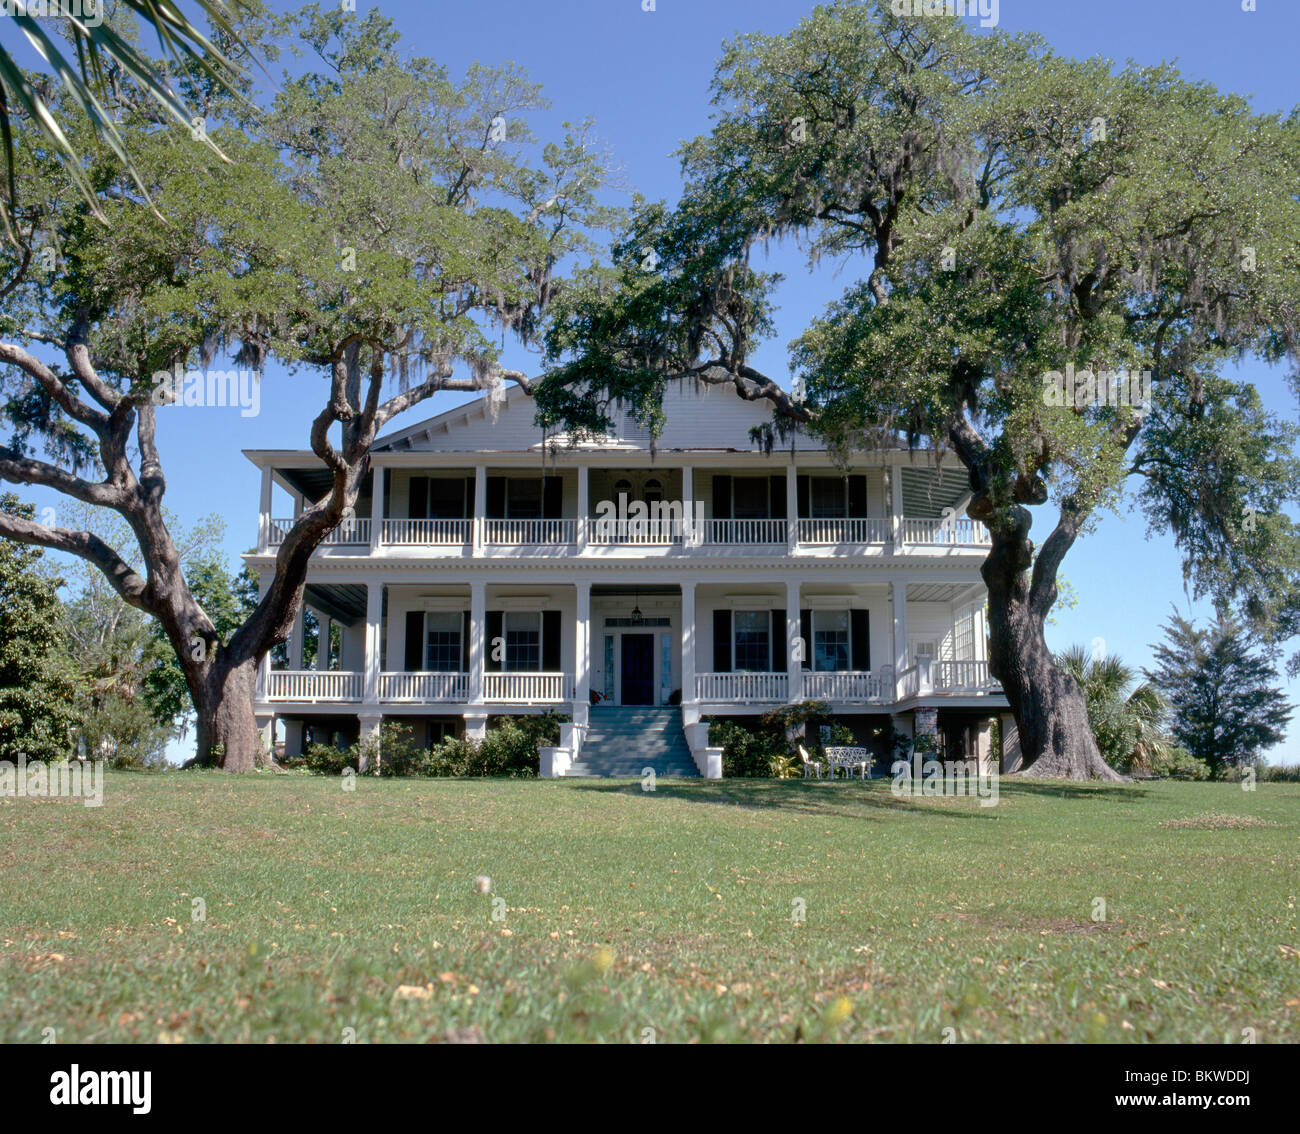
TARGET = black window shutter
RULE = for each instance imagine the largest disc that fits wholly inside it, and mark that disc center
(464, 641)
(494, 622)
(776, 506)
(552, 498)
(496, 497)
(419, 505)
(414, 640)
(551, 639)
(722, 497)
(860, 637)
(802, 493)
(857, 497)
(805, 632)
(779, 645)
(721, 639)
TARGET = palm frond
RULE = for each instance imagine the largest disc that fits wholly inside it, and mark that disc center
(83, 79)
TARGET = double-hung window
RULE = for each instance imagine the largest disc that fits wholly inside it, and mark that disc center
(442, 650)
(523, 634)
(753, 641)
(828, 498)
(830, 640)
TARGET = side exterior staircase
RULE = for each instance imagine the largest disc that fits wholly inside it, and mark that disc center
(622, 741)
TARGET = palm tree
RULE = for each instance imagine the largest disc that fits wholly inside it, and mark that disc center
(1127, 719)
(100, 52)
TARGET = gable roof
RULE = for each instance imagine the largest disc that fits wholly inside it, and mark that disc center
(697, 417)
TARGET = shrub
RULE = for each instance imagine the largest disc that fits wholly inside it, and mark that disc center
(767, 749)
(326, 760)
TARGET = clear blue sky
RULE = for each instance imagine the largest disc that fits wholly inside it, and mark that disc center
(644, 77)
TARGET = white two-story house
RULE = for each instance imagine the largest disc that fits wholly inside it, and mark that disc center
(493, 572)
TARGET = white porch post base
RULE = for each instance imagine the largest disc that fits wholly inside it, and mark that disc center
(266, 726)
(1011, 755)
(369, 736)
(475, 726)
(293, 735)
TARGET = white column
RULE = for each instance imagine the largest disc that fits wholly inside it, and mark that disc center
(792, 507)
(374, 663)
(477, 618)
(584, 507)
(688, 642)
(793, 664)
(323, 642)
(264, 513)
(295, 639)
(377, 482)
(480, 506)
(582, 651)
(690, 514)
(898, 604)
(896, 498)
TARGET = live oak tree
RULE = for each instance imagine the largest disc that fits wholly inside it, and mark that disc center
(379, 227)
(1015, 214)
(38, 681)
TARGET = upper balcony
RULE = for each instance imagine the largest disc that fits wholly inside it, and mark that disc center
(592, 512)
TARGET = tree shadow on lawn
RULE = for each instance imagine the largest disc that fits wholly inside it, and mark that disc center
(1071, 789)
(810, 797)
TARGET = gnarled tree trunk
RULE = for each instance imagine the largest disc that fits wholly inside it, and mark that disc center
(228, 737)
(1051, 713)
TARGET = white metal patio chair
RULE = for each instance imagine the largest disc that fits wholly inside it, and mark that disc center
(810, 766)
(849, 758)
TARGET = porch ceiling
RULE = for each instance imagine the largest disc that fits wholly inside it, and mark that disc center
(343, 602)
(925, 495)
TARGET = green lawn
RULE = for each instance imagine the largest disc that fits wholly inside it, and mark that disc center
(625, 911)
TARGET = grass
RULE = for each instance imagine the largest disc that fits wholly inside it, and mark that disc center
(624, 915)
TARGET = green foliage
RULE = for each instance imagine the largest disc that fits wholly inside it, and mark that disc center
(766, 749)
(1226, 709)
(38, 682)
(1010, 213)
(509, 749)
(1128, 720)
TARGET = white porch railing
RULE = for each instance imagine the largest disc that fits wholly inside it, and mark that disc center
(742, 687)
(420, 688)
(963, 677)
(952, 532)
(527, 688)
(947, 677)
(850, 685)
(313, 685)
(635, 533)
(745, 531)
(427, 533)
(516, 532)
(352, 532)
(837, 531)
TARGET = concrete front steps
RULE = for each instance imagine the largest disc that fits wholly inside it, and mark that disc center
(622, 741)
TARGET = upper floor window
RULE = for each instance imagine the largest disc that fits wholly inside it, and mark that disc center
(524, 499)
(828, 498)
(523, 634)
(442, 652)
(753, 641)
(749, 498)
(653, 491)
(830, 640)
